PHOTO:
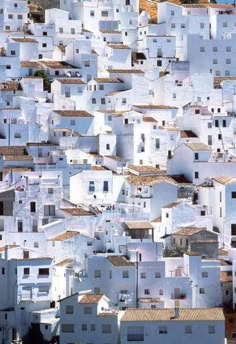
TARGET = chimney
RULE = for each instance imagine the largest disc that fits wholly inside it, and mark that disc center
(176, 308)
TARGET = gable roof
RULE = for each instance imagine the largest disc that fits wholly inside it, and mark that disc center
(91, 298)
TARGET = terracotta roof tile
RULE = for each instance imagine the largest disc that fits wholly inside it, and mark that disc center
(73, 113)
(70, 81)
(189, 231)
(125, 71)
(138, 225)
(108, 80)
(149, 180)
(119, 261)
(91, 298)
(198, 146)
(76, 211)
(24, 40)
(64, 236)
(64, 262)
(185, 314)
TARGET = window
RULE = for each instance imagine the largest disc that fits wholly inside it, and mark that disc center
(97, 291)
(69, 309)
(228, 61)
(204, 274)
(26, 271)
(105, 186)
(97, 273)
(215, 49)
(228, 49)
(86, 63)
(72, 30)
(225, 24)
(87, 310)
(188, 329)
(43, 290)
(211, 329)
(91, 13)
(233, 194)
(174, 95)
(196, 157)
(32, 207)
(91, 186)
(143, 275)
(196, 175)
(146, 291)
(125, 274)
(43, 272)
(214, 61)
(157, 275)
(92, 327)
(36, 244)
(161, 292)
(224, 123)
(219, 137)
(202, 25)
(72, 122)
(84, 327)
(159, 63)
(13, 52)
(162, 329)
(10, 16)
(201, 290)
(44, 45)
(20, 226)
(227, 73)
(202, 49)
(94, 101)
(182, 26)
(172, 25)
(216, 123)
(209, 125)
(45, 33)
(67, 328)
(104, 13)
(233, 229)
(106, 328)
(8, 66)
(49, 210)
(123, 101)
(77, 51)
(172, 13)
(135, 334)
(50, 191)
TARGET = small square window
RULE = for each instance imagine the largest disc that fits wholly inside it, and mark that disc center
(26, 271)
(146, 291)
(202, 291)
(125, 274)
(211, 329)
(143, 275)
